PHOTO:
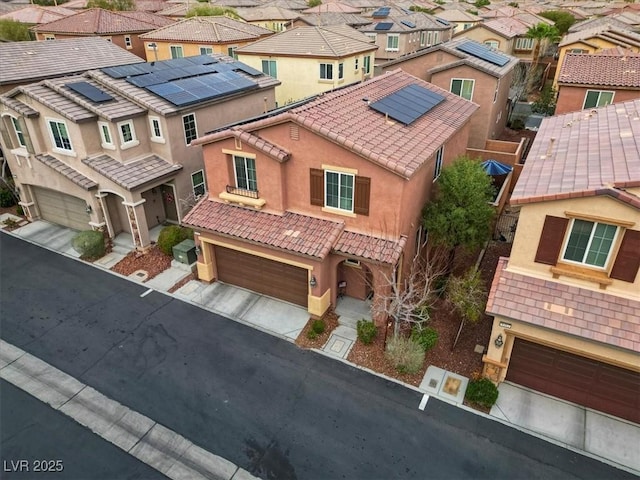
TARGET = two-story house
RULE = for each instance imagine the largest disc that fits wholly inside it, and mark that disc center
(327, 195)
(566, 303)
(109, 149)
(459, 19)
(200, 36)
(593, 80)
(274, 18)
(469, 69)
(311, 60)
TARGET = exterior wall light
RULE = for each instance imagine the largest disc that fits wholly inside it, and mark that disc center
(198, 251)
(313, 282)
(499, 341)
(88, 209)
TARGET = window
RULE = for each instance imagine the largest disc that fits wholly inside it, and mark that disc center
(524, 43)
(190, 129)
(367, 64)
(393, 40)
(127, 134)
(578, 50)
(372, 36)
(127, 41)
(206, 50)
(339, 190)
(340, 71)
(436, 37)
(156, 130)
(463, 87)
(105, 135)
(245, 170)
(595, 98)
(356, 64)
(60, 135)
(326, 71)
(466, 25)
(176, 51)
(438, 165)
(492, 43)
(423, 38)
(197, 181)
(269, 67)
(589, 243)
(231, 51)
(49, 37)
(19, 133)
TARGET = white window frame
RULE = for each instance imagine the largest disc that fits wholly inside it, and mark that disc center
(127, 42)
(341, 71)
(462, 84)
(328, 71)
(205, 50)
(366, 64)
(153, 121)
(184, 127)
(492, 44)
(423, 38)
(372, 36)
(524, 43)
(17, 129)
(246, 175)
(70, 151)
(599, 92)
(395, 37)
(231, 51)
(437, 167)
(124, 144)
(203, 184)
(612, 247)
(272, 66)
(106, 139)
(48, 37)
(356, 64)
(353, 190)
(178, 48)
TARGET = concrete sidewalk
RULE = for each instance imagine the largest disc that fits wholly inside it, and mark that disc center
(606, 438)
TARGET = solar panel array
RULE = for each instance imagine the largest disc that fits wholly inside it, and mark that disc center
(189, 80)
(407, 104)
(90, 92)
(442, 21)
(483, 53)
(381, 12)
(384, 26)
(407, 23)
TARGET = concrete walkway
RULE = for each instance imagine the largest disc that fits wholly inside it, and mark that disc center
(606, 438)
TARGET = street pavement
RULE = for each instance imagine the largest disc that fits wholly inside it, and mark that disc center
(253, 399)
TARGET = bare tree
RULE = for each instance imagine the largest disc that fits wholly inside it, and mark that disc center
(468, 296)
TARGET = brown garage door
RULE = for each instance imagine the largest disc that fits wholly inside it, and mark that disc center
(62, 209)
(262, 275)
(581, 380)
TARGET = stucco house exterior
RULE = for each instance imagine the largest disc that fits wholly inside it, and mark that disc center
(100, 151)
(594, 80)
(311, 60)
(566, 302)
(483, 78)
(326, 196)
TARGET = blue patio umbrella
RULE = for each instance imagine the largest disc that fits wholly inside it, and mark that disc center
(493, 167)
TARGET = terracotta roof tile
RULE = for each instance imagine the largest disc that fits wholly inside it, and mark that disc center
(291, 232)
(589, 316)
(18, 106)
(56, 102)
(36, 14)
(601, 69)
(135, 174)
(267, 12)
(334, 18)
(369, 247)
(208, 30)
(331, 7)
(67, 171)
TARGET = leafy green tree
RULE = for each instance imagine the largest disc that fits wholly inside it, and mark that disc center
(48, 3)
(546, 104)
(461, 214)
(468, 296)
(13, 31)
(562, 20)
(314, 3)
(542, 34)
(416, 8)
(211, 11)
(115, 5)
(481, 3)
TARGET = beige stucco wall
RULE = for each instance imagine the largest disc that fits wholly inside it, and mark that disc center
(163, 48)
(481, 34)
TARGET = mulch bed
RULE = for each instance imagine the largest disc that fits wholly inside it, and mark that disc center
(153, 262)
(182, 282)
(331, 322)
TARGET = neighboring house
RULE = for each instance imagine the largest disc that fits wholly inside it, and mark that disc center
(401, 33)
(327, 195)
(276, 19)
(594, 40)
(331, 7)
(331, 18)
(36, 15)
(311, 60)
(594, 80)
(459, 19)
(483, 76)
(200, 36)
(566, 302)
(28, 62)
(120, 28)
(101, 151)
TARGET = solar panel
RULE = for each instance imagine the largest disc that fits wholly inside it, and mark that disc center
(384, 26)
(89, 91)
(409, 24)
(407, 104)
(442, 21)
(483, 53)
(182, 98)
(164, 89)
(247, 69)
(145, 80)
(202, 60)
(121, 71)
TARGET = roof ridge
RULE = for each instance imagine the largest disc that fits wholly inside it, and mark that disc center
(321, 30)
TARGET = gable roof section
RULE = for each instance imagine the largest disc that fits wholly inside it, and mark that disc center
(331, 7)
(218, 29)
(582, 154)
(269, 12)
(601, 69)
(408, 22)
(32, 61)
(97, 21)
(334, 18)
(60, 104)
(132, 175)
(344, 117)
(505, 27)
(36, 14)
(18, 106)
(617, 36)
(369, 247)
(67, 172)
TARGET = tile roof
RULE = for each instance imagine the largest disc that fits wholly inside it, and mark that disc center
(333, 41)
(369, 247)
(60, 104)
(132, 175)
(332, 7)
(18, 106)
(618, 36)
(334, 18)
(67, 171)
(208, 30)
(582, 153)
(291, 232)
(36, 14)
(421, 20)
(589, 314)
(97, 21)
(454, 15)
(344, 117)
(295, 5)
(274, 151)
(262, 13)
(507, 27)
(601, 69)
(24, 62)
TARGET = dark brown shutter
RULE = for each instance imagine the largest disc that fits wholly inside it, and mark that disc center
(551, 239)
(362, 194)
(628, 260)
(317, 187)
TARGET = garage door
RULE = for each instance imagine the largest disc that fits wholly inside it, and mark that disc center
(62, 209)
(262, 275)
(578, 379)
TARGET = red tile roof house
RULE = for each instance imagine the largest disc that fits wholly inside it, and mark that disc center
(327, 192)
(598, 79)
(566, 304)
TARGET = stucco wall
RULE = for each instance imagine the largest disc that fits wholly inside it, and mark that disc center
(163, 48)
(571, 98)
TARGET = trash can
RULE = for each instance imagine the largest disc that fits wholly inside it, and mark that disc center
(185, 252)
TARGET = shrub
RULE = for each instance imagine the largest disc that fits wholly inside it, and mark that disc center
(404, 354)
(517, 124)
(426, 337)
(171, 236)
(366, 331)
(20, 210)
(6, 198)
(482, 392)
(89, 244)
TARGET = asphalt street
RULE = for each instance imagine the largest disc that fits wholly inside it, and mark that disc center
(260, 402)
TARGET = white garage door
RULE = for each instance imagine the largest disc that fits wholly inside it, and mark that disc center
(62, 209)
